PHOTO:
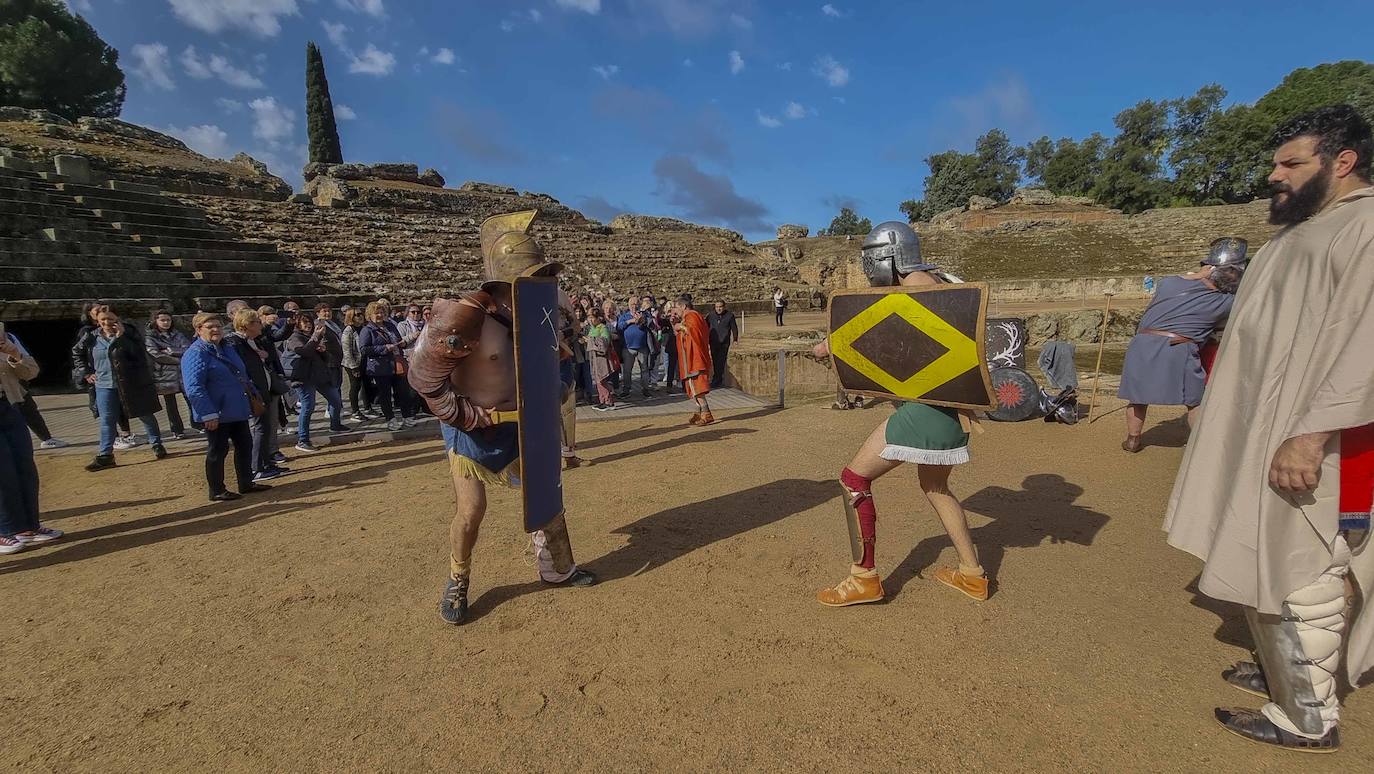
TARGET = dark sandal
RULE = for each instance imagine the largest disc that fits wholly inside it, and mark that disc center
(1249, 677)
(1254, 726)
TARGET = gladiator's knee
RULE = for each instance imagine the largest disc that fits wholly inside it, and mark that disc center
(858, 487)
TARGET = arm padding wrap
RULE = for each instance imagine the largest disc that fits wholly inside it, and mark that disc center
(454, 331)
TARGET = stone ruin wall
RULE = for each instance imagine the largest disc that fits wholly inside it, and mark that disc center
(408, 240)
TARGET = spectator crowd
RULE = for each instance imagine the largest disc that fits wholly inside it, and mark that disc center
(239, 378)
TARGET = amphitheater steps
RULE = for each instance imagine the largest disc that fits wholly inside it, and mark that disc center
(152, 240)
(144, 218)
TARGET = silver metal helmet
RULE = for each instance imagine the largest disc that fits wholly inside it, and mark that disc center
(891, 251)
(1227, 251)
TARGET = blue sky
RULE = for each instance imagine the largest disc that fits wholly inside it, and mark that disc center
(741, 113)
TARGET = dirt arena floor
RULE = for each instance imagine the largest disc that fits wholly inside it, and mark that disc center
(297, 630)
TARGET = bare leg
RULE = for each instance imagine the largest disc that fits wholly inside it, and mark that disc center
(935, 483)
(1192, 416)
(866, 461)
(1135, 418)
(471, 496)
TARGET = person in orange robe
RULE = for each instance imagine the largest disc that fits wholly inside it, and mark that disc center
(693, 357)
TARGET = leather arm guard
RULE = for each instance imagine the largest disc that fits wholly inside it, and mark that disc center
(452, 334)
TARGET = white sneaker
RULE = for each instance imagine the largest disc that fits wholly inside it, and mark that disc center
(52, 443)
(409, 421)
(394, 425)
(124, 443)
(11, 545)
(40, 535)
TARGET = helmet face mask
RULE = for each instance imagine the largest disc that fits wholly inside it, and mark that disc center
(891, 251)
(508, 250)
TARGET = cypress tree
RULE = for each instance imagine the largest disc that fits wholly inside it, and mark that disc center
(319, 111)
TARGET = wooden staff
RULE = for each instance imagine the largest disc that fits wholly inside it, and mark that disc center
(1101, 342)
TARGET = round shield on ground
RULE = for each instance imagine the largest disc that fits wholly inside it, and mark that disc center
(1005, 339)
(1017, 394)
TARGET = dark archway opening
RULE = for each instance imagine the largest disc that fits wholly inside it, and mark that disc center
(50, 343)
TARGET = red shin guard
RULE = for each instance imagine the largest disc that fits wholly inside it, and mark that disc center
(862, 498)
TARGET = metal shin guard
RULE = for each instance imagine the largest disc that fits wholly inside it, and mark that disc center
(851, 520)
(1300, 651)
(553, 551)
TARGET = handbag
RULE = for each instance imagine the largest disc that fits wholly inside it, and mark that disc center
(277, 384)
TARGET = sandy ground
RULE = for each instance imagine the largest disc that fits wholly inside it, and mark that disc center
(298, 630)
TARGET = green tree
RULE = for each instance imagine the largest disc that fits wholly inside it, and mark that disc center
(913, 209)
(319, 111)
(1227, 163)
(951, 180)
(847, 224)
(1132, 172)
(1351, 82)
(997, 166)
(1075, 166)
(53, 60)
(1037, 155)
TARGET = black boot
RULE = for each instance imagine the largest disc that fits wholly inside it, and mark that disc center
(101, 462)
(580, 577)
(453, 607)
(159, 451)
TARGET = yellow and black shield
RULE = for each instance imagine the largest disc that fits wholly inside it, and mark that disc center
(920, 344)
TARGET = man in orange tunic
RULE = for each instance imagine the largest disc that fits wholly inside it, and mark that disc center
(694, 357)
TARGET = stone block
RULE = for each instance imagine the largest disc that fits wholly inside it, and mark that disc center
(792, 231)
(300, 198)
(981, 203)
(76, 169)
(336, 203)
(432, 177)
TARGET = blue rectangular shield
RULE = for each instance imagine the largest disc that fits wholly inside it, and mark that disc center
(538, 399)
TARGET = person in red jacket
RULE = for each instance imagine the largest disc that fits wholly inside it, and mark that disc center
(694, 357)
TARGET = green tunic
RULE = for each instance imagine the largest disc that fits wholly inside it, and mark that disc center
(929, 435)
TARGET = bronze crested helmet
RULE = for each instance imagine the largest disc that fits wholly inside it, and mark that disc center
(508, 250)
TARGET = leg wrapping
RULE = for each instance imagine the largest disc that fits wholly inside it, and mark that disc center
(861, 515)
(553, 552)
(1301, 652)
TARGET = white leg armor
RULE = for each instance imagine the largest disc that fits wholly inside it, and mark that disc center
(1300, 651)
(553, 552)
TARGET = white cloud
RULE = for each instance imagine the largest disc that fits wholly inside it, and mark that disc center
(741, 21)
(444, 56)
(373, 61)
(272, 122)
(344, 112)
(586, 6)
(830, 10)
(337, 32)
(795, 110)
(205, 139)
(688, 63)
(218, 67)
(736, 63)
(785, 66)
(152, 64)
(1006, 103)
(259, 17)
(832, 71)
(284, 161)
(536, 15)
(229, 105)
(506, 25)
(770, 122)
(369, 7)
(606, 71)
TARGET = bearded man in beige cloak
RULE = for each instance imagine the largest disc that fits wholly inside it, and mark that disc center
(1275, 487)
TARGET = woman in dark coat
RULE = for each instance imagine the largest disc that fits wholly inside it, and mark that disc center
(263, 368)
(314, 352)
(123, 378)
(382, 360)
(165, 346)
(81, 366)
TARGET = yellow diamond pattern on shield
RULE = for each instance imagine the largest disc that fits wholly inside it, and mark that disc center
(962, 354)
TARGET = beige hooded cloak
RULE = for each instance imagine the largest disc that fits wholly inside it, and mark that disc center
(1297, 358)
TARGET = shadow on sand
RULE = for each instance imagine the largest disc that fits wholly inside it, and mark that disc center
(1042, 509)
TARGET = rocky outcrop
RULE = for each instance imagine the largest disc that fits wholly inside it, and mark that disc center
(981, 203)
(10, 113)
(431, 177)
(1032, 196)
(792, 231)
(628, 222)
(491, 188)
